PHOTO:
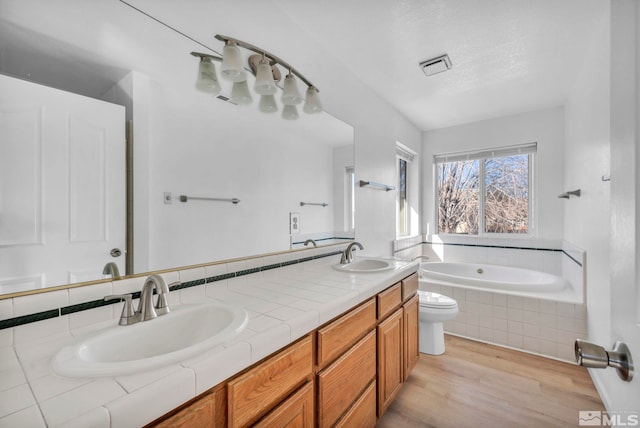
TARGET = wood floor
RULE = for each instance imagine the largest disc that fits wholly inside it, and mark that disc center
(480, 385)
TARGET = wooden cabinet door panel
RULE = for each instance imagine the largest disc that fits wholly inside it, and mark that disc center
(254, 393)
(389, 300)
(342, 382)
(363, 412)
(409, 286)
(297, 411)
(411, 335)
(389, 360)
(336, 337)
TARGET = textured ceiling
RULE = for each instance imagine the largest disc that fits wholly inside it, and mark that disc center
(509, 56)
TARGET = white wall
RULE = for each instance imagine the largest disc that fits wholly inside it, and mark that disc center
(202, 146)
(545, 127)
(587, 218)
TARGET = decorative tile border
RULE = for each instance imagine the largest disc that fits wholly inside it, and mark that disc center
(501, 247)
(66, 310)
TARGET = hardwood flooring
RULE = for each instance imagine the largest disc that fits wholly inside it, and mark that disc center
(478, 385)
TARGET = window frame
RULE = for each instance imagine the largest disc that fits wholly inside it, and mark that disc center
(406, 154)
(482, 155)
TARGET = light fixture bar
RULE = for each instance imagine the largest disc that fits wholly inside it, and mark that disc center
(204, 55)
(267, 54)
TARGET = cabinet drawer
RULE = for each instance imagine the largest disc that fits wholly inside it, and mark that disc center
(336, 337)
(297, 411)
(363, 412)
(389, 300)
(254, 393)
(340, 384)
(409, 286)
(210, 410)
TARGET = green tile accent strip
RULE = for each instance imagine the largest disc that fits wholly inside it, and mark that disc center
(66, 310)
(28, 319)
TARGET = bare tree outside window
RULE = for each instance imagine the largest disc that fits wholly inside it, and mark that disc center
(458, 202)
(505, 186)
(506, 206)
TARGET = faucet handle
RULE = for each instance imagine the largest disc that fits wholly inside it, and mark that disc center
(128, 316)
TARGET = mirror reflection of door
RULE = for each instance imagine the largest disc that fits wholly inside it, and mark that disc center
(62, 214)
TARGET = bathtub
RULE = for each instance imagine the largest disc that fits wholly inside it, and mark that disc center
(492, 277)
(524, 309)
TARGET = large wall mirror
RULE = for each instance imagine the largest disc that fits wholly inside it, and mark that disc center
(72, 61)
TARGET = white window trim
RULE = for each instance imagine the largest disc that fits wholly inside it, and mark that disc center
(528, 148)
(405, 153)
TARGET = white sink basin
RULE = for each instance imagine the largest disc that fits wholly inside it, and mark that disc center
(366, 265)
(121, 350)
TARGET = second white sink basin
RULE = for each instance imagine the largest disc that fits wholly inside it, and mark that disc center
(366, 265)
(121, 350)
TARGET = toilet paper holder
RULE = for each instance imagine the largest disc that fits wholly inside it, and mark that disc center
(595, 356)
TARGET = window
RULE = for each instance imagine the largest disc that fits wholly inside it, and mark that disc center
(487, 192)
(404, 156)
(350, 202)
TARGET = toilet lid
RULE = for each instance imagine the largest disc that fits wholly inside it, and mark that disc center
(435, 300)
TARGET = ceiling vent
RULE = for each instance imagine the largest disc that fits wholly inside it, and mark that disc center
(436, 65)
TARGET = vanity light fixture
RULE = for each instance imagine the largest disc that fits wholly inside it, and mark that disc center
(266, 68)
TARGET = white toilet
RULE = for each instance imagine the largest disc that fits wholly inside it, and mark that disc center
(434, 310)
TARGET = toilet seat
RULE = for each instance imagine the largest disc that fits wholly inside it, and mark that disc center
(434, 300)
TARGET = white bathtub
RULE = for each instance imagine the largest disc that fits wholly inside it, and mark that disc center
(523, 309)
(492, 277)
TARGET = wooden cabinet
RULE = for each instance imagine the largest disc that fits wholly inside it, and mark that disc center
(363, 411)
(254, 393)
(389, 300)
(409, 286)
(411, 314)
(335, 338)
(362, 359)
(208, 410)
(340, 384)
(297, 411)
(390, 362)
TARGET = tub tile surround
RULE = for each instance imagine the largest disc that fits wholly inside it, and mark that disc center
(535, 325)
(283, 303)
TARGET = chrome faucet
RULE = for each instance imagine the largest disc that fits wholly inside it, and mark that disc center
(146, 309)
(111, 269)
(347, 255)
(310, 241)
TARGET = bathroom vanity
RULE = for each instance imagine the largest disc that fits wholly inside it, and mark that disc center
(322, 347)
(344, 373)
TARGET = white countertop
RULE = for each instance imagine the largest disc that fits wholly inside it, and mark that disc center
(284, 304)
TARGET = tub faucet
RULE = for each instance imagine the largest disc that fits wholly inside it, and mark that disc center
(146, 309)
(310, 241)
(347, 255)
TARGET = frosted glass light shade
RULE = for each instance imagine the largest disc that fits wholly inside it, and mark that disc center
(312, 102)
(289, 112)
(268, 104)
(265, 85)
(240, 93)
(290, 92)
(231, 68)
(207, 80)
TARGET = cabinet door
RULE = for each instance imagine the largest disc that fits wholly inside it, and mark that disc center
(297, 411)
(363, 412)
(254, 393)
(389, 360)
(411, 312)
(208, 411)
(340, 384)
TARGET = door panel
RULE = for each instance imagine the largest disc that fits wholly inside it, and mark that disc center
(62, 186)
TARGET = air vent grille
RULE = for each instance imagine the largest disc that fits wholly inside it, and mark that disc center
(436, 65)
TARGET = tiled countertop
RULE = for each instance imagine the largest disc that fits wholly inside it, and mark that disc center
(283, 304)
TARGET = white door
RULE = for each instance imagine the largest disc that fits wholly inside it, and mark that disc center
(62, 186)
(625, 195)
